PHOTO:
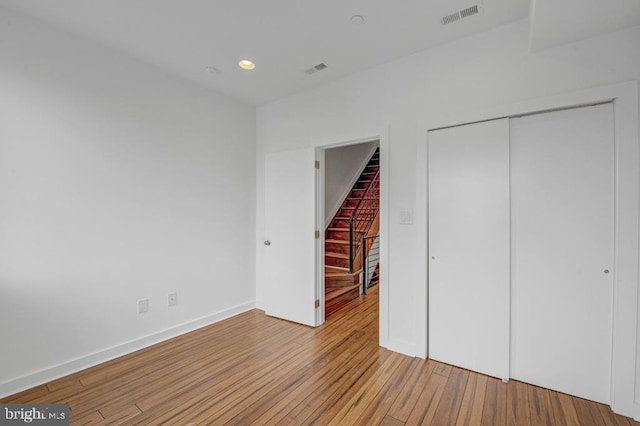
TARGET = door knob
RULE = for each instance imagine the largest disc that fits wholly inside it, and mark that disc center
(606, 271)
(267, 243)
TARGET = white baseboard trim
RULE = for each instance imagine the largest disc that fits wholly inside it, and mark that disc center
(636, 411)
(404, 348)
(28, 381)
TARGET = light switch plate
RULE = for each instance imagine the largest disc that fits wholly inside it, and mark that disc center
(406, 218)
(143, 306)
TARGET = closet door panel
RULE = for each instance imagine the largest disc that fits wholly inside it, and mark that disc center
(562, 181)
(469, 246)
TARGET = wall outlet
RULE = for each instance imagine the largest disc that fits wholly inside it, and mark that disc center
(172, 299)
(143, 306)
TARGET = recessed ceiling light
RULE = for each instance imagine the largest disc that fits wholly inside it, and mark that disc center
(357, 19)
(212, 70)
(246, 64)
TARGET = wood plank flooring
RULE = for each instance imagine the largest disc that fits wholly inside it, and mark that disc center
(253, 369)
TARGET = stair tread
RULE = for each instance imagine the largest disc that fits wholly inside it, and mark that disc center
(329, 268)
(336, 274)
(337, 241)
(358, 231)
(344, 270)
(339, 291)
(338, 255)
(338, 229)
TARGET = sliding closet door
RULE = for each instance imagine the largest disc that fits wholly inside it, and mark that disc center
(469, 247)
(562, 259)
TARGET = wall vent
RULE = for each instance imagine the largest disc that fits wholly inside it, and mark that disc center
(321, 66)
(461, 14)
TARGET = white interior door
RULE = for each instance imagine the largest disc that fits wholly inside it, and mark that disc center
(562, 202)
(469, 246)
(290, 242)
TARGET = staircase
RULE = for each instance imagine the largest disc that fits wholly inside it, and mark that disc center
(343, 263)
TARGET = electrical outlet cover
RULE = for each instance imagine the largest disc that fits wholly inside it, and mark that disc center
(172, 299)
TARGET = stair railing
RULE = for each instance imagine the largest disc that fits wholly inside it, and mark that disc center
(363, 216)
(370, 260)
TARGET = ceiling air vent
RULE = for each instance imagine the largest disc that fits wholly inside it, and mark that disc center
(321, 66)
(461, 14)
(450, 18)
(465, 13)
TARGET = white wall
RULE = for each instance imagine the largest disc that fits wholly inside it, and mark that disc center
(342, 167)
(117, 182)
(397, 99)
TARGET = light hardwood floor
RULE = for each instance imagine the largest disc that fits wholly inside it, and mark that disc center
(253, 369)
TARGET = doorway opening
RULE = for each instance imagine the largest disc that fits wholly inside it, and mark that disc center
(351, 193)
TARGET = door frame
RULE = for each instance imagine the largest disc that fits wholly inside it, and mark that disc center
(382, 140)
(624, 374)
(319, 219)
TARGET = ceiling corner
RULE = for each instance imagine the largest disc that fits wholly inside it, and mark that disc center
(556, 22)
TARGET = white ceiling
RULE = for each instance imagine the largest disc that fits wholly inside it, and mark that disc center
(286, 37)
